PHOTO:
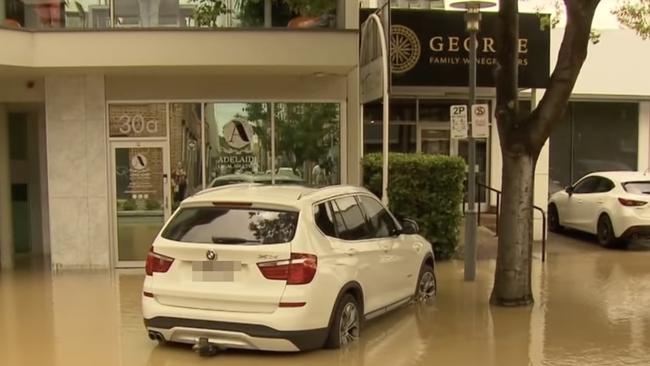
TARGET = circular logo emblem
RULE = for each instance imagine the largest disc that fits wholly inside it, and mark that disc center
(238, 133)
(139, 162)
(211, 255)
(404, 49)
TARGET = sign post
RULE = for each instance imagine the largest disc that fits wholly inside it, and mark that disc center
(375, 76)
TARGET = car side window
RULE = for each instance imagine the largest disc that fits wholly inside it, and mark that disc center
(324, 218)
(349, 221)
(604, 185)
(382, 224)
(587, 185)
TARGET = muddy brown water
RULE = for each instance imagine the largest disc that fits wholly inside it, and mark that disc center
(592, 308)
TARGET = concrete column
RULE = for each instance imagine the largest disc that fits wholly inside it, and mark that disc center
(77, 171)
(541, 171)
(541, 176)
(643, 159)
(6, 230)
(353, 131)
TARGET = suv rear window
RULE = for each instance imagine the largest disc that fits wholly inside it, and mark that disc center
(228, 225)
(637, 187)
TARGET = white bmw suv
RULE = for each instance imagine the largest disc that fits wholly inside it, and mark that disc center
(281, 268)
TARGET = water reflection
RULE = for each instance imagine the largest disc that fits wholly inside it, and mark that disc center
(592, 308)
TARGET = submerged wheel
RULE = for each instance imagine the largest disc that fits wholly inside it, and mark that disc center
(427, 285)
(346, 326)
(553, 219)
(605, 233)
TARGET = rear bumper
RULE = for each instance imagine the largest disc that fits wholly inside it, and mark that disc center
(236, 335)
(636, 232)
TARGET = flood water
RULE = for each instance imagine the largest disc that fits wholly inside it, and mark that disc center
(592, 308)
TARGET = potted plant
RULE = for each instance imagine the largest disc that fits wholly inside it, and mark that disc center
(207, 12)
(312, 13)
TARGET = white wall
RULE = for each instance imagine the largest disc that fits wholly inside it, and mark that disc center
(540, 198)
(77, 171)
(617, 66)
(226, 87)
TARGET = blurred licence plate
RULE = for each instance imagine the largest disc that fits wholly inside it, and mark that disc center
(215, 271)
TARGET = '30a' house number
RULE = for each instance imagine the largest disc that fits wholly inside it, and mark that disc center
(136, 124)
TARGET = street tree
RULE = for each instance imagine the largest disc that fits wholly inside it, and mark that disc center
(522, 135)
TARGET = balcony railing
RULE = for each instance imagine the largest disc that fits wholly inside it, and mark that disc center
(103, 14)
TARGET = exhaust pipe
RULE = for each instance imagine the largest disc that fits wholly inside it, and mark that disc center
(156, 336)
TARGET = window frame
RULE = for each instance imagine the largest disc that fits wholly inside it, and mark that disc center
(398, 227)
(586, 179)
(328, 204)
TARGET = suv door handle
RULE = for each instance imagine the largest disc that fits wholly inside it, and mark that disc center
(351, 252)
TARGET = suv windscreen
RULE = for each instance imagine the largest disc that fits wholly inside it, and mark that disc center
(228, 225)
(637, 187)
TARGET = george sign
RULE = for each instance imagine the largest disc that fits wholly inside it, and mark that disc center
(458, 115)
(431, 48)
(480, 121)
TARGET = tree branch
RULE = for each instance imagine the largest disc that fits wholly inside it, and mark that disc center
(507, 76)
(572, 54)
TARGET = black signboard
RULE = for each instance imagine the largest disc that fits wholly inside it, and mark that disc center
(430, 48)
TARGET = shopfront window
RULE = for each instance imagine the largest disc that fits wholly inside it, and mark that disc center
(237, 142)
(96, 14)
(307, 142)
(185, 150)
(136, 120)
(593, 136)
(402, 130)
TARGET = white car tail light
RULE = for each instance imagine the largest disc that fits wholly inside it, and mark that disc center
(631, 203)
(298, 270)
(157, 263)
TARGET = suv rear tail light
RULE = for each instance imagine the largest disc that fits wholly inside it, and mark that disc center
(298, 270)
(631, 203)
(157, 263)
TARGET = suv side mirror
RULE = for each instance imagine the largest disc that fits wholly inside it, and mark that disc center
(410, 227)
(569, 190)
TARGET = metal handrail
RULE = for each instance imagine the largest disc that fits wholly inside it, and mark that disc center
(498, 214)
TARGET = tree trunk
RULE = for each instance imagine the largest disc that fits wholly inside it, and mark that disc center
(523, 139)
(512, 285)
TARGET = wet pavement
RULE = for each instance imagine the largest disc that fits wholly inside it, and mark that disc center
(592, 308)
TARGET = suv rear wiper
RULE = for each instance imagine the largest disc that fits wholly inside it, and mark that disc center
(231, 240)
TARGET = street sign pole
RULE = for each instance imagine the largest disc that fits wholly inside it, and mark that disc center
(470, 217)
(472, 20)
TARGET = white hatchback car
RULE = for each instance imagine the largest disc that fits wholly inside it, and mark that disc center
(612, 205)
(281, 268)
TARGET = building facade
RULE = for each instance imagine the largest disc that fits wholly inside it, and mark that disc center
(109, 118)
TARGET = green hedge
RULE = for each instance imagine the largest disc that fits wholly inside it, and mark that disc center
(426, 188)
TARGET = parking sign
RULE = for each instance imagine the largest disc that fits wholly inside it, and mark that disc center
(480, 121)
(458, 121)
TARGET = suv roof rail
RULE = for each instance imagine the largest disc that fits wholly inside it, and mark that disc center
(213, 189)
(307, 194)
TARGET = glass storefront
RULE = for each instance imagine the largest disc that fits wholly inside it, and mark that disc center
(164, 152)
(98, 14)
(421, 125)
(185, 150)
(593, 136)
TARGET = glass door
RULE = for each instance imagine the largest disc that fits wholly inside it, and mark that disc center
(434, 138)
(140, 196)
